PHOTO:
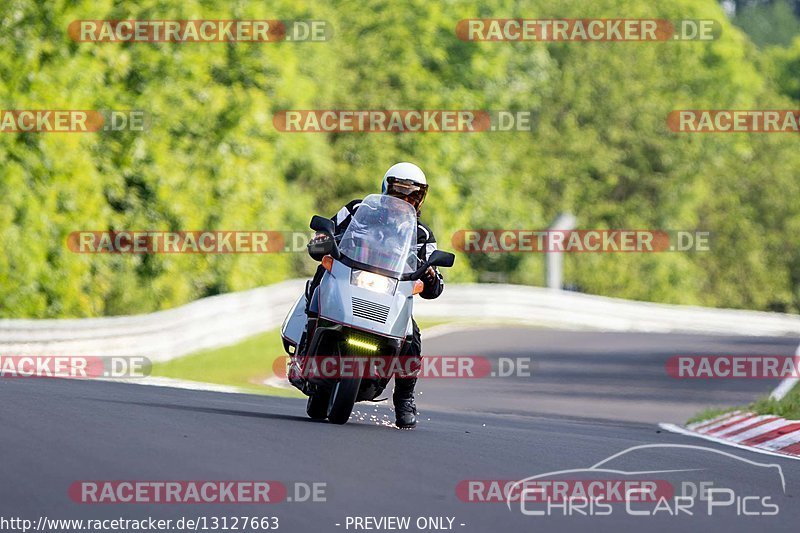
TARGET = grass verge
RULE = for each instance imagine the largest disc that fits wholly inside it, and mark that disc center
(788, 407)
(710, 413)
(245, 365)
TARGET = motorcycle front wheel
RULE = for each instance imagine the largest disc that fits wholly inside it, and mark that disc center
(317, 405)
(342, 399)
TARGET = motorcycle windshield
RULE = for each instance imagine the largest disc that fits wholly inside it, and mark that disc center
(382, 236)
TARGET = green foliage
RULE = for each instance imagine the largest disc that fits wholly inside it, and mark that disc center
(769, 23)
(783, 64)
(211, 157)
(788, 407)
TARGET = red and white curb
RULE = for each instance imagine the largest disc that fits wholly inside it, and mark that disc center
(768, 434)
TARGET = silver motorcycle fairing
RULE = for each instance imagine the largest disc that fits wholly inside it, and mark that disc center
(379, 313)
(336, 304)
(295, 322)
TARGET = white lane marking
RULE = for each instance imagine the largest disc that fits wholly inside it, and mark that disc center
(787, 384)
(673, 428)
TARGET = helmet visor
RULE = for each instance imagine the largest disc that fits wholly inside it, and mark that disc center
(410, 191)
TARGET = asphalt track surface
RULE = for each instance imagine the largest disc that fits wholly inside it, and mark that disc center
(590, 396)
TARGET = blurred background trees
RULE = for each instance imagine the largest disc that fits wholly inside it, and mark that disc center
(211, 158)
(766, 21)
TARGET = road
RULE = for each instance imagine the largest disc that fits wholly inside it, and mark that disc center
(591, 395)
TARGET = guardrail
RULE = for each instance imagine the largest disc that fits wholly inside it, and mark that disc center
(207, 323)
(228, 318)
(566, 309)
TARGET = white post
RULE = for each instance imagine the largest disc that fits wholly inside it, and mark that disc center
(554, 261)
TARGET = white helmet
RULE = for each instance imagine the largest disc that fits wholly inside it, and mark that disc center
(406, 181)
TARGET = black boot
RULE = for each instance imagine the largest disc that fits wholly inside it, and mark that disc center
(405, 411)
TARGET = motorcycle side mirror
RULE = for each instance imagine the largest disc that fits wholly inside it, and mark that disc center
(441, 258)
(438, 258)
(322, 224)
(326, 247)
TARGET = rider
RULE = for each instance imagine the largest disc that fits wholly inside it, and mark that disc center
(407, 182)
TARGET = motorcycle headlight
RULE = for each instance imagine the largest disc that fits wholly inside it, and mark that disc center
(373, 282)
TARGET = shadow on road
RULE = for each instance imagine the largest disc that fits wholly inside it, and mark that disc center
(213, 410)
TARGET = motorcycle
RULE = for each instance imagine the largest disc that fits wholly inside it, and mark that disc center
(362, 307)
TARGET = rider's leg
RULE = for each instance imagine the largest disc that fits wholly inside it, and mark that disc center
(405, 409)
